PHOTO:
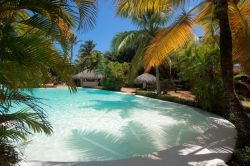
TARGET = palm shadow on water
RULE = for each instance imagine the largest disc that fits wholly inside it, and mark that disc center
(102, 146)
(137, 139)
(127, 104)
(191, 117)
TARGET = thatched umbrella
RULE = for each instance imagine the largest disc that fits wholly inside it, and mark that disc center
(88, 75)
(145, 78)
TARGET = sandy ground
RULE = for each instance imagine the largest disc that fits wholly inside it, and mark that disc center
(187, 95)
(61, 86)
(128, 90)
(53, 86)
(246, 104)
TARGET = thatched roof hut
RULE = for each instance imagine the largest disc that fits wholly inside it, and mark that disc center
(88, 75)
(145, 78)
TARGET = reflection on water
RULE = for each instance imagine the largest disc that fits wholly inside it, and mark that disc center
(100, 125)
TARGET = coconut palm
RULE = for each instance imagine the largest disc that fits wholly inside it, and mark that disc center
(28, 30)
(149, 24)
(86, 49)
(88, 57)
(54, 18)
(26, 60)
(73, 41)
(15, 127)
(228, 18)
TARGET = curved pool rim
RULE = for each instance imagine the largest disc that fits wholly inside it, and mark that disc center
(215, 146)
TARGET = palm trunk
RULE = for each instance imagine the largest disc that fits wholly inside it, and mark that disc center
(227, 65)
(71, 54)
(158, 87)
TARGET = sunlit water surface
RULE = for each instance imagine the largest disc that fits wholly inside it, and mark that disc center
(93, 125)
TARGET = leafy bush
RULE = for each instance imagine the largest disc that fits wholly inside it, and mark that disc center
(167, 84)
(202, 69)
(166, 97)
(88, 58)
(241, 157)
(114, 76)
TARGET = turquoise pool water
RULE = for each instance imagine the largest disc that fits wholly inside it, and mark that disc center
(93, 125)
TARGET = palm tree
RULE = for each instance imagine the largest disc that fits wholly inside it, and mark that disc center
(27, 59)
(54, 18)
(149, 24)
(73, 41)
(15, 127)
(228, 18)
(88, 57)
(28, 30)
(86, 49)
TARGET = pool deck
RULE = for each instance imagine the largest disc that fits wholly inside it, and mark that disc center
(212, 148)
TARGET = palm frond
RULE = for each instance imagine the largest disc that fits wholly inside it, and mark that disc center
(11, 133)
(239, 22)
(56, 18)
(168, 40)
(206, 20)
(137, 62)
(32, 56)
(87, 11)
(139, 7)
(8, 153)
(125, 40)
(25, 121)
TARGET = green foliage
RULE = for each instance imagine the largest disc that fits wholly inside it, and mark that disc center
(54, 18)
(114, 76)
(167, 97)
(72, 42)
(8, 153)
(28, 56)
(86, 49)
(16, 126)
(26, 60)
(201, 67)
(88, 57)
(168, 84)
(241, 157)
(133, 44)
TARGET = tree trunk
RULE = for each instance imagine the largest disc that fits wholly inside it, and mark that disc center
(158, 86)
(227, 65)
(144, 85)
(71, 54)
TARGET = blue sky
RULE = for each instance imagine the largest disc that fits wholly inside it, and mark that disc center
(107, 25)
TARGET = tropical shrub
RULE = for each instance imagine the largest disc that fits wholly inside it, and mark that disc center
(114, 76)
(201, 68)
(167, 97)
(241, 156)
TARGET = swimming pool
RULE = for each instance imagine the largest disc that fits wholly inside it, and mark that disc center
(97, 125)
